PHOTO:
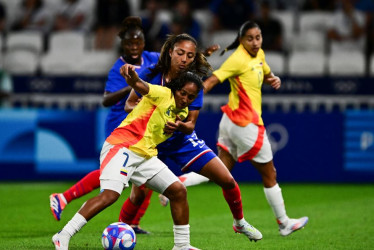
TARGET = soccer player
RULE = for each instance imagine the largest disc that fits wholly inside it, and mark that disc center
(242, 135)
(179, 54)
(115, 95)
(130, 154)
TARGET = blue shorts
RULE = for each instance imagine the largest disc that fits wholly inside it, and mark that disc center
(190, 153)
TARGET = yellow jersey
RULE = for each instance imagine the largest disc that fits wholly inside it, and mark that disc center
(143, 129)
(246, 75)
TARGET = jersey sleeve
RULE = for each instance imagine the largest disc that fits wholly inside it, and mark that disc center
(231, 67)
(115, 80)
(157, 93)
(265, 65)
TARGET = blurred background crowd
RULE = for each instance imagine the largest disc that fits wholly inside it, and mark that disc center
(313, 38)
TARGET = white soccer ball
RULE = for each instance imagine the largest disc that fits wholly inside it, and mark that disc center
(118, 235)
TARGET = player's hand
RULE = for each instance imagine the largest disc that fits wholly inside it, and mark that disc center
(274, 82)
(171, 127)
(129, 73)
(211, 49)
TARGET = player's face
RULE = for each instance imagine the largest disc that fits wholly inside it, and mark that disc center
(182, 55)
(252, 41)
(185, 96)
(133, 46)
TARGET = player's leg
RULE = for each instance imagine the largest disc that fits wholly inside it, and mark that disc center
(142, 210)
(255, 146)
(135, 207)
(58, 201)
(111, 182)
(165, 182)
(217, 172)
(89, 209)
(189, 179)
(274, 197)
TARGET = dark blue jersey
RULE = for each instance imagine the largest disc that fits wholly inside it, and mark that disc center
(116, 82)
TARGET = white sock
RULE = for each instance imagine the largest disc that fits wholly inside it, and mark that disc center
(74, 225)
(239, 222)
(181, 235)
(275, 200)
(192, 179)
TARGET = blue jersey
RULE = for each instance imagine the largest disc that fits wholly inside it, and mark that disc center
(188, 151)
(116, 82)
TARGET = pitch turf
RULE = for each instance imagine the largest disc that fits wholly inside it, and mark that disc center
(340, 217)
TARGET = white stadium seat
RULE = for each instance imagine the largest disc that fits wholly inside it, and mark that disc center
(25, 40)
(276, 61)
(21, 62)
(349, 63)
(67, 42)
(307, 63)
(95, 63)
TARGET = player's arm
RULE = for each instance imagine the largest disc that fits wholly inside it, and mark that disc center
(186, 127)
(111, 98)
(132, 79)
(132, 101)
(272, 80)
(210, 83)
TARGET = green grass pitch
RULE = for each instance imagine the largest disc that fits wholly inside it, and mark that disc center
(341, 216)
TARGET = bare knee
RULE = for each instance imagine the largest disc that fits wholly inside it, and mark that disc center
(176, 192)
(108, 197)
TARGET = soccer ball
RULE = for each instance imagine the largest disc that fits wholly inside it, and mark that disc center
(118, 235)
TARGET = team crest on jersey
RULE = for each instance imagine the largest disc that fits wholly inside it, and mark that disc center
(170, 111)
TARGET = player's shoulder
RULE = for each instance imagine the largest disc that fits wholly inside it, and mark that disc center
(152, 56)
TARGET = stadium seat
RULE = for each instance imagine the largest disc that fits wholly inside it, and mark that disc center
(95, 63)
(60, 63)
(11, 7)
(311, 40)
(25, 40)
(204, 17)
(314, 20)
(21, 62)
(1, 52)
(276, 62)
(67, 42)
(372, 66)
(223, 37)
(216, 60)
(349, 63)
(307, 63)
(287, 18)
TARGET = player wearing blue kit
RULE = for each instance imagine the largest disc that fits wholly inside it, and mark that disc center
(178, 55)
(115, 83)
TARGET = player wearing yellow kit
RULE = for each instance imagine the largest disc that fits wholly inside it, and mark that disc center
(129, 154)
(242, 135)
(245, 74)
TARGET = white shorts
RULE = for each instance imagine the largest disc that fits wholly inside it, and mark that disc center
(119, 165)
(244, 143)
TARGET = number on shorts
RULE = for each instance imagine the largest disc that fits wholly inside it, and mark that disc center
(127, 158)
